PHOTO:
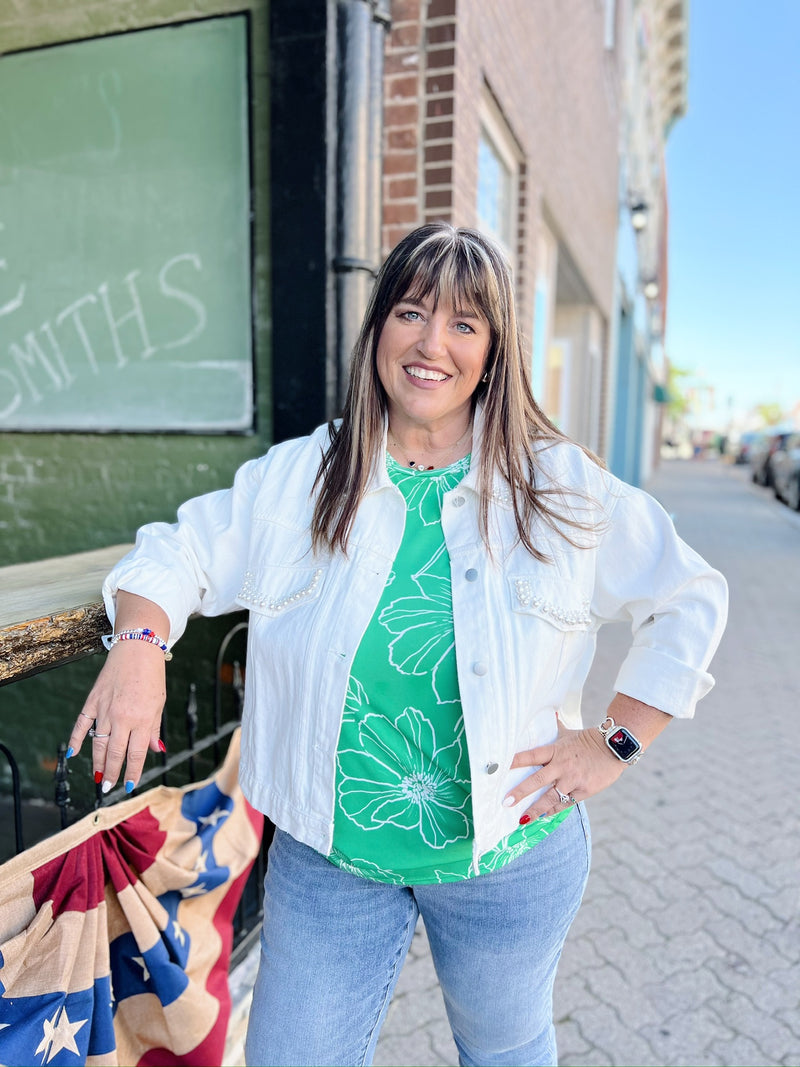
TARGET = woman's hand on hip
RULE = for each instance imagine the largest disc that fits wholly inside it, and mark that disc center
(575, 766)
(578, 763)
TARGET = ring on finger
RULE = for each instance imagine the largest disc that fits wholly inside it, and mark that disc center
(89, 717)
(94, 733)
(565, 798)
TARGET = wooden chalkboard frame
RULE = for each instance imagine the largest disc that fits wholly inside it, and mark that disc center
(202, 394)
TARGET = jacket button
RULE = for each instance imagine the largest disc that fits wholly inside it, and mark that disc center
(491, 768)
(471, 575)
(458, 501)
(480, 668)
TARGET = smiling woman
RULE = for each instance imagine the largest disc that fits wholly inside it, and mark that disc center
(425, 579)
(430, 360)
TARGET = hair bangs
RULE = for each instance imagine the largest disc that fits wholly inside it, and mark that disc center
(453, 270)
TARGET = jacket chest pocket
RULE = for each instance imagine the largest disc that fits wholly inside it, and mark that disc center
(550, 619)
(558, 601)
(275, 591)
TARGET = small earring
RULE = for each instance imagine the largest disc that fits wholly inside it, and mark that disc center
(485, 378)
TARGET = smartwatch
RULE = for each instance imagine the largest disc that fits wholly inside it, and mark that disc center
(620, 741)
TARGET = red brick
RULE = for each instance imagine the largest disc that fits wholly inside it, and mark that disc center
(438, 9)
(442, 105)
(437, 153)
(440, 83)
(392, 235)
(402, 138)
(441, 57)
(400, 163)
(395, 214)
(405, 10)
(438, 198)
(402, 86)
(402, 188)
(438, 175)
(439, 215)
(438, 131)
(399, 62)
(404, 36)
(400, 114)
(441, 34)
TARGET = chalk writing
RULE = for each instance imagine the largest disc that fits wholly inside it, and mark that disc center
(52, 357)
(15, 301)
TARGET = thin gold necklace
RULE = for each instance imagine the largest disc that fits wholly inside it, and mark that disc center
(442, 451)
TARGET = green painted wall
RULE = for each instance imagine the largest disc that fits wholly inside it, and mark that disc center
(64, 493)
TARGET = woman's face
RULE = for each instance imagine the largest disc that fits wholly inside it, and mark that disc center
(430, 361)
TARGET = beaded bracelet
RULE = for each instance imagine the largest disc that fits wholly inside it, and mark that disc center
(142, 634)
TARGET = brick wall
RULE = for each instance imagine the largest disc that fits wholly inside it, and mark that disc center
(419, 116)
(556, 87)
(402, 181)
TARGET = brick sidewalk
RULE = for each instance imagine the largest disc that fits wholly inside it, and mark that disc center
(686, 949)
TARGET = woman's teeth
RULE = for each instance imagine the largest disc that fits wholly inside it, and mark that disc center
(426, 375)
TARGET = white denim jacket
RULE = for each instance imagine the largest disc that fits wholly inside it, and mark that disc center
(525, 630)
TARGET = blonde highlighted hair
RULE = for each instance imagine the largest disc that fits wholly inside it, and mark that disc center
(466, 270)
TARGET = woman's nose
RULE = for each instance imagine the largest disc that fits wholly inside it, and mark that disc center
(434, 338)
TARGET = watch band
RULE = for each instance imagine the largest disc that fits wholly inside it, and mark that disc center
(619, 740)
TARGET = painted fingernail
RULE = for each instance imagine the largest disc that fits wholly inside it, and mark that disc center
(107, 787)
(98, 777)
(162, 747)
(524, 819)
(70, 752)
(510, 801)
(130, 786)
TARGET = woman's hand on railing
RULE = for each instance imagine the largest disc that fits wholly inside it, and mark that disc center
(122, 713)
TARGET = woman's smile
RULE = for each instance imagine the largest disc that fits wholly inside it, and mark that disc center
(426, 374)
(430, 359)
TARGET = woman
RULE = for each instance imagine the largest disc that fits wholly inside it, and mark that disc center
(425, 581)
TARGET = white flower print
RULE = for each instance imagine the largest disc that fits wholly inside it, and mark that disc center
(424, 494)
(423, 624)
(443, 877)
(507, 850)
(400, 776)
(355, 699)
(364, 868)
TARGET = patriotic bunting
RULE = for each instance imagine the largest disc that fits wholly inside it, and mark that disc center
(115, 934)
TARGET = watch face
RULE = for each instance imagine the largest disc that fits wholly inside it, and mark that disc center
(623, 744)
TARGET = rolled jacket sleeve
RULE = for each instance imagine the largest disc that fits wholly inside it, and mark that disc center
(193, 566)
(675, 602)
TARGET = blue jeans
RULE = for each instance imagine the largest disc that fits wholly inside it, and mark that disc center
(333, 944)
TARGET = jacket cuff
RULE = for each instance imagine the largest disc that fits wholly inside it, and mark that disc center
(662, 682)
(155, 583)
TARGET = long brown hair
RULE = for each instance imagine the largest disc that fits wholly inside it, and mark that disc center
(465, 269)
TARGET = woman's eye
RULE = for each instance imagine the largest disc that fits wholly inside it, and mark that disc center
(464, 327)
(410, 316)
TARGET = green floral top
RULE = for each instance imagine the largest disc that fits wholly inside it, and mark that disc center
(403, 806)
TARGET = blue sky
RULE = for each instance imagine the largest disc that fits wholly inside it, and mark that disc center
(733, 169)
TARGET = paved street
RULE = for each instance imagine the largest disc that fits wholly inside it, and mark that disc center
(687, 948)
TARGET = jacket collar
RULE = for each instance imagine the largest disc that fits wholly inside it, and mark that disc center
(501, 494)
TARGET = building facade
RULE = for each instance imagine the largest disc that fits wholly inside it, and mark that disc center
(653, 41)
(506, 117)
(194, 200)
(538, 123)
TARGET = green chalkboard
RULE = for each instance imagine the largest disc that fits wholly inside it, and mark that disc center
(125, 288)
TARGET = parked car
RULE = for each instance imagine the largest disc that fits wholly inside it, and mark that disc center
(761, 458)
(785, 467)
(747, 443)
